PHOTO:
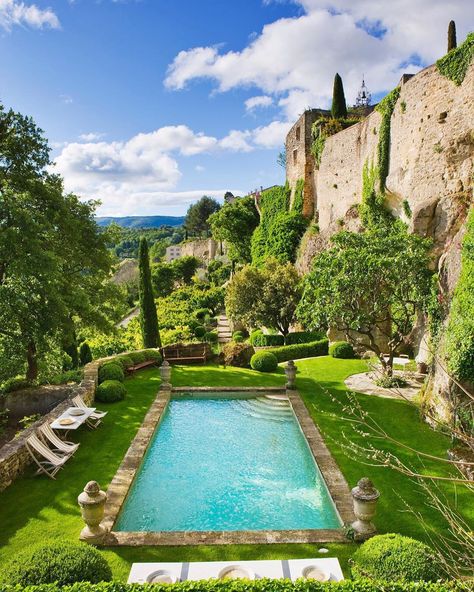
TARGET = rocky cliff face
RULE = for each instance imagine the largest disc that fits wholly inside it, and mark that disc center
(430, 181)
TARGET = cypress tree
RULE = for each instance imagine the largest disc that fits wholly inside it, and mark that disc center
(452, 43)
(148, 316)
(339, 108)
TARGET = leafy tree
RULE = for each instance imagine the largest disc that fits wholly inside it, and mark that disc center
(234, 224)
(452, 43)
(286, 232)
(264, 296)
(197, 216)
(218, 272)
(148, 315)
(184, 268)
(163, 278)
(213, 299)
(368, 284)
(339, 107)
(281, 158)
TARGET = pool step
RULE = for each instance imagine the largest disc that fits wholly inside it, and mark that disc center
(267, 408)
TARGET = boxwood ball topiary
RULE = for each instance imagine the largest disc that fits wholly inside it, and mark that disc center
(393, 557)
(341, 349)
(111, 371)
(61, 562)
(200, 331)
(153, 354)
(125, 361)
(264, 362)
(110, 391)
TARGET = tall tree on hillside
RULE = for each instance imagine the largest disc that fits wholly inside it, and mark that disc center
(148, 315)
(339, 107)
(196, 223)
(452, 43)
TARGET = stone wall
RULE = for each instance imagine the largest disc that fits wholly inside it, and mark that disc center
(14, 456)
(206, 249)
(32, 401)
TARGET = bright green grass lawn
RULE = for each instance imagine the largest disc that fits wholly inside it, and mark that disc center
(38, 509)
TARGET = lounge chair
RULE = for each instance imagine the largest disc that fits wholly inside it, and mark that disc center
(60, 447)
(48, 462)
(95, 418)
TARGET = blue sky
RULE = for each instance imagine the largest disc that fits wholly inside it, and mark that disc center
(151, 103)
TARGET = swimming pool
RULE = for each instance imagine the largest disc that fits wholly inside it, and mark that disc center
(228, 464)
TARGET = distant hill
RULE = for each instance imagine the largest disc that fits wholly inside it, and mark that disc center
(142, 221)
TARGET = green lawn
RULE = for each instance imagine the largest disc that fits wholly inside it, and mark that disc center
(38, 509)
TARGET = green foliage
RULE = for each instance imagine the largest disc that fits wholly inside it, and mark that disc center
(110, 391)
(111, 371)
(238, 336)
(452, 43)
(264, 297)
(177, 335)
(163, 277)
(197, 217)
(264, 361)
(202, 313)
(184, 269)
(237, 354)
(137, 356)
(368, 282)
(322, 129)
(148, 315)
(218, 272)
(338, 107)
(388, 382)
(66, 377)
(153, 354)
(302, 350)
(393, 557)
(385, 108)
(454, 65)
(341, 349)
(406, 208)
(298, 199)
(59, 563)
(103, 345)
(460, 329)
(85, 354)
(125, 361)
(371, 209)
(124, 242)
(285, 232)
(264, 340)
(199, 331)
(303, 337)
(16, 384)
(235, 223)
(210, 337)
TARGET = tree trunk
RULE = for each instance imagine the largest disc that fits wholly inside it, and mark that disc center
(32, 361)
(387, 365)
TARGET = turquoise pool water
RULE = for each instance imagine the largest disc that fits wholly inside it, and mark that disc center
(228, 464)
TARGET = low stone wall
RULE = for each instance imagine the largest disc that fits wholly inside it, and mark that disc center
(32, 401)
(14, 456)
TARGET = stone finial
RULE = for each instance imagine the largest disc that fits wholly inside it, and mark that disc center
(165, 373)
(365, 497)
(290, 371)
(92, 503)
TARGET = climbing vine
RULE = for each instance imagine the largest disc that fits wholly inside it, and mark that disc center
(322, 129)
(299, 197)
(371, 209)
(454, 64)
(385, 108)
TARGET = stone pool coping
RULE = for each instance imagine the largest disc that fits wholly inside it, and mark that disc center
(121, 483)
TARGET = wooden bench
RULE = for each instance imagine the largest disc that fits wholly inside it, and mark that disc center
(186, 353)
(141, 365)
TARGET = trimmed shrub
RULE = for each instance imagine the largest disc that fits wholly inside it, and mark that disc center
(68, 376)
(263, 340)
(111, 371)
(264, 361)
(137, 356)
(202, 313)
(59, 563)
(210, 337)
(125, 361)
(237, 354)
(16, 384)
(153, 354)
(303, 350)
(302, 337)
(85, 354)
(341, 349)
(199, 331)
(394, 557)
(110, 391)
(238, 336)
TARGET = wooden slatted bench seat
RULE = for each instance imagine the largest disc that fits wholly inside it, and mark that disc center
(141, 365)
(186, 353)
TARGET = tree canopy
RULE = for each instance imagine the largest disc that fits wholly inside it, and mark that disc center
(196, 223)
(368, 283)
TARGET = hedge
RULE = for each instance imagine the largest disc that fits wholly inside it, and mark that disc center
(303, 350)
(262, 340)
(302, 337)
(263, 585)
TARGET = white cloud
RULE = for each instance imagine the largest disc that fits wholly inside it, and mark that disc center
(237, 141)
(91, 137)
(256, 102)
(294, 59)
(199, 168)
(66, 99)
(15, 13)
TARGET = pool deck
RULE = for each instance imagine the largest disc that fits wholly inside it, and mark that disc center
(121, 483)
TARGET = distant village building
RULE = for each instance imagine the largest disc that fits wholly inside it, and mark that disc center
(173, 252)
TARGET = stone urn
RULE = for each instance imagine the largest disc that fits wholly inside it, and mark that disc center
(92, 503)
(165, 373)
(365, 498)
(290, 371)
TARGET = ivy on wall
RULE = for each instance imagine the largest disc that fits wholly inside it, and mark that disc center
(280, 231)
(298, 199)
(454, 64)
(385, 108)
(460, 329)
(322, 129)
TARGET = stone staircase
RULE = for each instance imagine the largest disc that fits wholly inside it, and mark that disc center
(273, 407)
(224, 332)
